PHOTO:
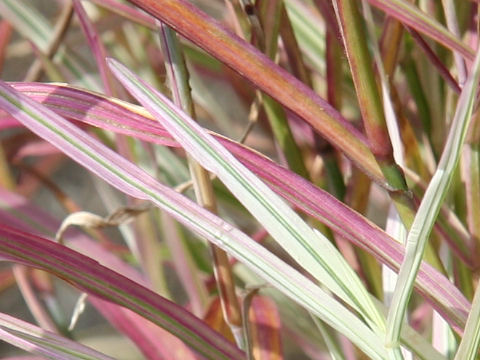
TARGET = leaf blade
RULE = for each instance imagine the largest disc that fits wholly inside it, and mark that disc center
(132, 180)
(42, 342)
(117, 116)
(269, 77)
(431, 203)
(289, 230)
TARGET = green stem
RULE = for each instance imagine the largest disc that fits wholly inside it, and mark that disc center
(369, 99)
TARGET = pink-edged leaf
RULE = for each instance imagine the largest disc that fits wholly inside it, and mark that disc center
(311, 250)
(96, 46)
(130, 179)
(221, 43)
(407, 13)
(164, 110)
(96, 110)
(154, 342)
(42, 342)
(127, 119)
(93, 278)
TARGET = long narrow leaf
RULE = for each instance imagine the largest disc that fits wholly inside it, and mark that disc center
(431, 203)
(154, 342)
(310, 249)
(96, 279)
(85, 149)
(213, 37)
(133, 121)
(42, 342)
(130, 179)
(409, 14)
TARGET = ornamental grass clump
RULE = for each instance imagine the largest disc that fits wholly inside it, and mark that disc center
(240, 179)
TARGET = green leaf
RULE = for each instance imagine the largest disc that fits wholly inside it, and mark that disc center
(431, 203)
(309, 248)
(130, 179)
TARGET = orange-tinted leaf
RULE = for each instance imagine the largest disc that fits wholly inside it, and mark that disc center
(6, 279)
(265, 328)
(214, 318)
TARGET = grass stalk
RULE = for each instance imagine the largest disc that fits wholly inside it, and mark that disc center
(59, 33)
(281, 86)
(179, 82)
(369, 99)
(265, 25)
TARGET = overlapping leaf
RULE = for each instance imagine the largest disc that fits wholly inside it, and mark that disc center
(212, 36)
(432, 201)
(42, 342)
(133, 121)
(154, 342)
(133, 181)
(310, 249)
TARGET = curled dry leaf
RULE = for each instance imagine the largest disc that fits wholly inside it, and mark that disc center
(86, 219)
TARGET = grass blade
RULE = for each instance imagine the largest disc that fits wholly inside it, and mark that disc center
(431, 203)
(213, 37)
(42, 342)
(310, 249)
(135, 182)
(409, 14)
(98, 280)
(154, 342)
(125, 118)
